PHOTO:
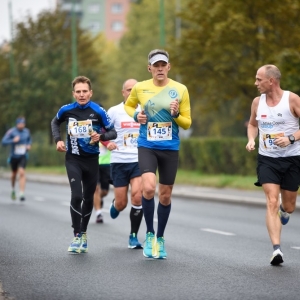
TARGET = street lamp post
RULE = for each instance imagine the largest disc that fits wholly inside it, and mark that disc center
(74, 42)
(178, 20)
(162, 23)
(11, 55)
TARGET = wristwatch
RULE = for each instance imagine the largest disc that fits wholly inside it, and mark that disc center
(292, 139)
(176, 116)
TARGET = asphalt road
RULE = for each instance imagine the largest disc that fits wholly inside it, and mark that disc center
(215, 251)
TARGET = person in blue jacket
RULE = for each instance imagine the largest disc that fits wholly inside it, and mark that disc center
(20, 140)
(87, 123)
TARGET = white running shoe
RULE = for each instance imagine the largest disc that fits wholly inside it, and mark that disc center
(277, 258)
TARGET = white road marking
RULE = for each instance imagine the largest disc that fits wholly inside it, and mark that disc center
(217, 231)
(295, 247)
(41, 199)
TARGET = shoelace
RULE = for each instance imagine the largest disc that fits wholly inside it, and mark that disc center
(160, 245)
(134, 239)
(76, 240)
(84, 239)
(149, 239)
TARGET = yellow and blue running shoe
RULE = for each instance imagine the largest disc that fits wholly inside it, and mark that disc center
(149, 245)
(84, 245)
(160, 248)
(75, 244)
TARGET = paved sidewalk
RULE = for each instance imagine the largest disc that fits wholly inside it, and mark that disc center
(187, 191)
(192, 192)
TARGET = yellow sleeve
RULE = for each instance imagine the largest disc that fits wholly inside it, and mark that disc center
(131, 102)
(184, 120)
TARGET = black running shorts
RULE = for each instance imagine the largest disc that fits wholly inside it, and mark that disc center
(18, 162)
(122, 173)
(284, 171)
(104, 177)
(165, 161)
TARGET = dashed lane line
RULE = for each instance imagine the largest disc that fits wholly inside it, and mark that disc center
(217, 231)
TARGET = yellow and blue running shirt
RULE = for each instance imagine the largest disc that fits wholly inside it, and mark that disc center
(161, 131)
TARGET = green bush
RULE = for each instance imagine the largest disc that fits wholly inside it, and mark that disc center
(45, 155)
(226, 155)
(39, 155)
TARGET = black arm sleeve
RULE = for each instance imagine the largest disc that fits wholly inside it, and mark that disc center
(108, 135)
(55, 127)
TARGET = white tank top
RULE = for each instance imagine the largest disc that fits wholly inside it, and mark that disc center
(274, 122)
(128, 133)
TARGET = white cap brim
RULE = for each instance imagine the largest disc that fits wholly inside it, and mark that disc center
(158, 57)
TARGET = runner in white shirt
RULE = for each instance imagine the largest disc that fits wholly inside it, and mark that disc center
(275, 116)
(124, 166)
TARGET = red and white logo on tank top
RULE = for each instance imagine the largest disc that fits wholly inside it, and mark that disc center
(130, 125)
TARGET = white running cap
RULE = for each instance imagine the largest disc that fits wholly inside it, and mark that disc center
(158, 57)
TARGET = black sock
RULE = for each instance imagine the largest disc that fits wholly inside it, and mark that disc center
(275, 247)
(136, 215)
(281, 208)
(148, 209)
(163, 213)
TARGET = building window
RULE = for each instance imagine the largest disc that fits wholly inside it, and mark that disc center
(116, 8)
(94, 8)
(94, 26)
(117, 26)
(69, 7)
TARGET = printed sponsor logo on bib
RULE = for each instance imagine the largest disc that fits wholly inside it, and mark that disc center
(20, 149)
(159, 131)
(130, 139)
(80, 129)
(269, 139)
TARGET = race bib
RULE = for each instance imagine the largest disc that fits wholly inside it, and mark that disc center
(159, 131)
(130, 140)
(268, 140)
(80, 129)
(20, 149)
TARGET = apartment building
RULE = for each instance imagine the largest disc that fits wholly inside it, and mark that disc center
(108, 16)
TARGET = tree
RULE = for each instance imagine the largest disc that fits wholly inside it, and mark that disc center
(5, 80)
(42, 52)
(129, 60)
(223, 44)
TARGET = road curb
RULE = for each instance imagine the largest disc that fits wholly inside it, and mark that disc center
(191, 192)
(187, 191)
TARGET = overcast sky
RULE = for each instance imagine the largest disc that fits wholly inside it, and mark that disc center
(20, 9)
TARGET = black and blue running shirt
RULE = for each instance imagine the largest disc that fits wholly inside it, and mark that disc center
(80, 121)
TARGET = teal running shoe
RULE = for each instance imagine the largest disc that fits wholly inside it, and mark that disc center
(84, 245)
(75, 244)
(284, 216)
(160, 252)
(13, 195)
(113, 212)
(149, 245)
(133, 242)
